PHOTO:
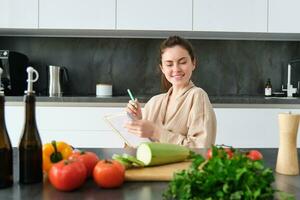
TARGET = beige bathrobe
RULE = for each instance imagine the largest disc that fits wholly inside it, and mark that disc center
(191, 122)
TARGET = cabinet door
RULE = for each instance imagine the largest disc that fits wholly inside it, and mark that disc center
(247, 128)
(77, 14)
(230, 15)
(19, 14)
(284, 16)
(79, 126)
(154, 15)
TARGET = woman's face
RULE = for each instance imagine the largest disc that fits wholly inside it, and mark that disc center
(177, 66)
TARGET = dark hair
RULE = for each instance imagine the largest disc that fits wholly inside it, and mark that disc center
(171, 42)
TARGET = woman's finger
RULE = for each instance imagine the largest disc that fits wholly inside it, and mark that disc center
(132, 109)
(133, 103)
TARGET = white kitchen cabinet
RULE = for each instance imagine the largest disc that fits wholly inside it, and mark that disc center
(85, 126)
(284, 16)
(230, 15)
(19, 14)
(249, 127)
(154, 15)
(79, 126)
(77, 14)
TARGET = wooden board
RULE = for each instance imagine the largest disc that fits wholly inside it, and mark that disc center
(155, 173)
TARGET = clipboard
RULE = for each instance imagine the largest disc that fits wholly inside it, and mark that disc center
(116, 122)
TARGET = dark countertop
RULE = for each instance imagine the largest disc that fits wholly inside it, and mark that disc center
(130, 190)
(144, 99)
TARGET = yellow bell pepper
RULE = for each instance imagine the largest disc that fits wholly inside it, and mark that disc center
(54, 152)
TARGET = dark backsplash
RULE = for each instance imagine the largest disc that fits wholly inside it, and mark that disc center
(225, 67)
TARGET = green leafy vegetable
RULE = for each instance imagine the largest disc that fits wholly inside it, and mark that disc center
(222, 177)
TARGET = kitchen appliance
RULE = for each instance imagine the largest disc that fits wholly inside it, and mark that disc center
(58, 78)
(14, 72)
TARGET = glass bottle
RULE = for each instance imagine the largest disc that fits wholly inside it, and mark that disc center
(30, 146)
(6, 152)
(268, 88)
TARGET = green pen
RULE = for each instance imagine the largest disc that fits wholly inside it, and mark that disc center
(131, 97)
(130, 94)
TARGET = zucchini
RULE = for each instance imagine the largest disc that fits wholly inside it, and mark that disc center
(133, 160)
(151, 153)
(125, 162)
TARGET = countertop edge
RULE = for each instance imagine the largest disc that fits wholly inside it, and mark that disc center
(123, 104)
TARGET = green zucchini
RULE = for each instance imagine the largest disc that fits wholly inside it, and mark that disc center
(133, 160)
(125, 162)
(151, 153)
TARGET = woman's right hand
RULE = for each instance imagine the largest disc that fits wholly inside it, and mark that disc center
(134, 109)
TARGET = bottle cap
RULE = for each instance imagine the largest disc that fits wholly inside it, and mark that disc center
(30, 71)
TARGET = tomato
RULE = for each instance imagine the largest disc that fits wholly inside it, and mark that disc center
(67, 175)
(229, 152)
(209, 153)
(109, 174)
(89, 159)
(254, 155)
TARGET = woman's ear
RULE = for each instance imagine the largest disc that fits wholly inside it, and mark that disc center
(194, 64)
(161, 68)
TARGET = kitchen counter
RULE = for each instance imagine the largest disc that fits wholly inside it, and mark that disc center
(121, 101)
(130, 190)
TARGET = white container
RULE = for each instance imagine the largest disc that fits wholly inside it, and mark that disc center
(103, 90)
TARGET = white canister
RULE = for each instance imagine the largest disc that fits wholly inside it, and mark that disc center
(103, 90)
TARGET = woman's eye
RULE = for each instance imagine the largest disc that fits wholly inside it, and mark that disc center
(183, 62)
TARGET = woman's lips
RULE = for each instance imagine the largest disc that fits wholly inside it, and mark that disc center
(178, 76)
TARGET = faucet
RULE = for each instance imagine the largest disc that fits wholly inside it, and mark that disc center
(289, 88)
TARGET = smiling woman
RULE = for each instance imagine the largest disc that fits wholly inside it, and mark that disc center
(183, 115)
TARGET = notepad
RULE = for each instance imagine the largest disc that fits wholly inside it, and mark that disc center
(117, 122)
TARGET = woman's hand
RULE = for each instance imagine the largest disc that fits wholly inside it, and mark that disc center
(143, 128)
(134, 109)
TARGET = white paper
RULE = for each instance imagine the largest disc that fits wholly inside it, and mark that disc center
(117, 123)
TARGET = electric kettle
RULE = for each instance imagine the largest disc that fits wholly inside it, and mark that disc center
(58, 77)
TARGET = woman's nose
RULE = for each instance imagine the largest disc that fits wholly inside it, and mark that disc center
(176, 67)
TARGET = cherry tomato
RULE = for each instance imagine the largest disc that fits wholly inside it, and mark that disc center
(254, 155)
(209, 153)
(67, 175)
(109, 174)
(89, 159)
(229, 152)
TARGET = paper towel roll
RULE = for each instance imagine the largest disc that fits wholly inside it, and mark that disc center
(287, 158)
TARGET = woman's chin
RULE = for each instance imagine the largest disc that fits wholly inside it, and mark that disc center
(181, 83)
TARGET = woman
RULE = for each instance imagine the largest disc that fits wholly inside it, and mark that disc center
(183, 115)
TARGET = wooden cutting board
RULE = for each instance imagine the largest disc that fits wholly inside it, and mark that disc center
(155, 173)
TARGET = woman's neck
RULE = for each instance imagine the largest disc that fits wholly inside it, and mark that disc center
(178, 90)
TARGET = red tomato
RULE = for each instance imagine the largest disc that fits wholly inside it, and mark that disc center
(209, 153)
(67, 175)
(89, 159)
(109, 174)
(254, 155)
(229, 152)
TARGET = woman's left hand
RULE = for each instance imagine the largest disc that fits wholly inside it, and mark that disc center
(143, 128)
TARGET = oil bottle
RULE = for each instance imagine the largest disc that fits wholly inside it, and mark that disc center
(6, 152)
(30, 146)
(268, 88)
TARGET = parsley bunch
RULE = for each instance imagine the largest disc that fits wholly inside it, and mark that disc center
(222, 177)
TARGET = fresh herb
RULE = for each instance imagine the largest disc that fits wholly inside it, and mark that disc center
(222, 177)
